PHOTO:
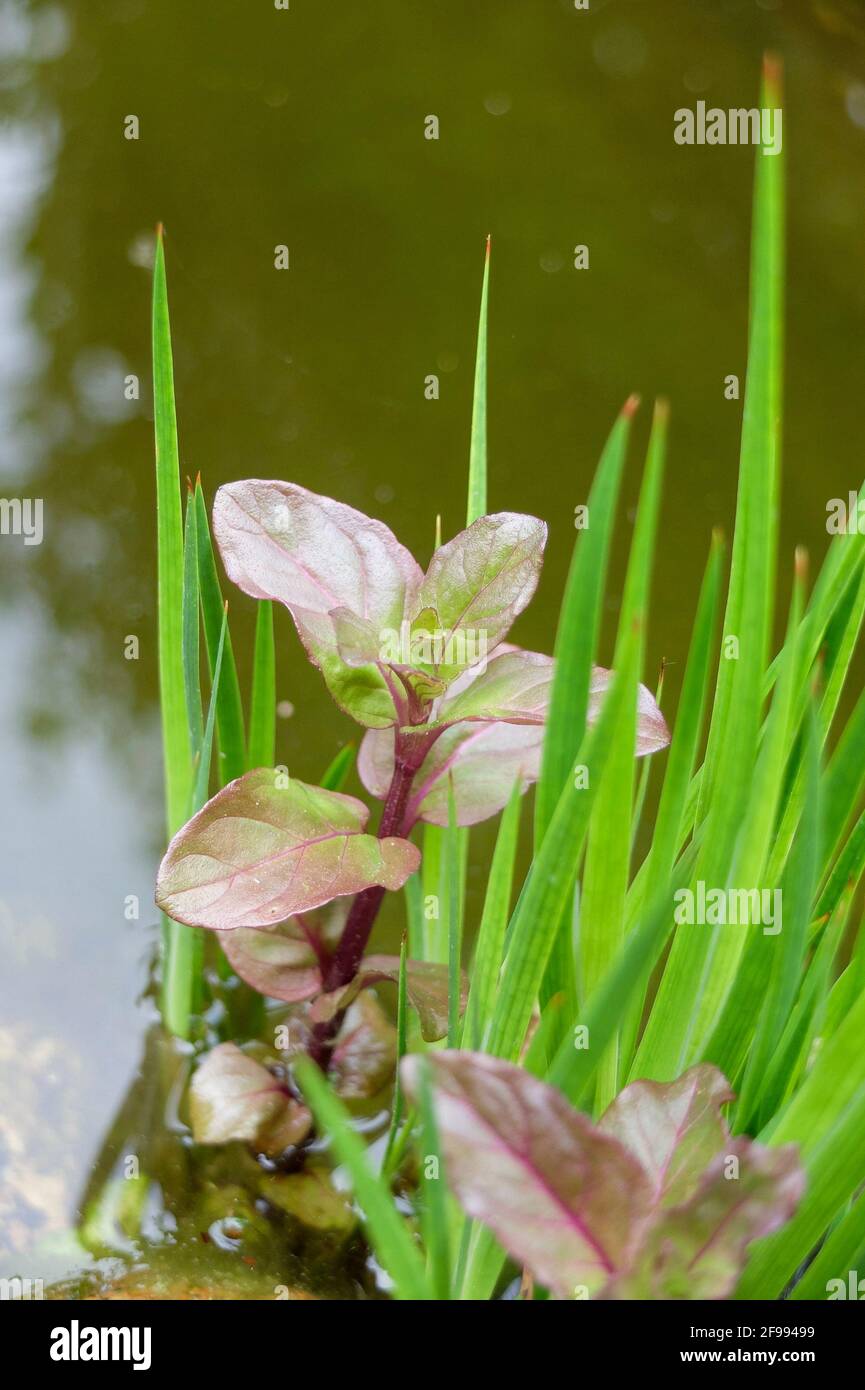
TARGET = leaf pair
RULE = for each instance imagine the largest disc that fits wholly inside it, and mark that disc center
(492, 724)
(386, 637)
(656, 1201)
(269, 862)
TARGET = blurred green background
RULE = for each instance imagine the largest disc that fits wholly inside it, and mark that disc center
(305, 127)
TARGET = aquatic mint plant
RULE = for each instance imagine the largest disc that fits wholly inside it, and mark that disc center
(452, 713)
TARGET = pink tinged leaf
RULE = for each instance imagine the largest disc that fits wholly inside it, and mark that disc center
(652, 731)
(514, 688)
(281, 961)
(481, 580)
(493, 722)
(427, 986)
(483, 759)
(259, 853)
(697, 1250)
(365, 1054)
(673, 1129)
(560, 1196)
(234, 1097)
(317, 556)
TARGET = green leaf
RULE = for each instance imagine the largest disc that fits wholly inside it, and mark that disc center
(434, 1206)
(398, 1102)
(191, 622)
(229, 709)
(477, 498)
(262, 705)
(177, 722)
(608, 848)
(387, 1231)
(489, 950)
(787, 949)
(576, 644)
(542, 903)
(336, 773)
(826, 1118)
(172, 691)
(839, 1257)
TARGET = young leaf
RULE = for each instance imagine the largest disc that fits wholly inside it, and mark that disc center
(279, 541)
(484, 761)
(479, 582)
(258, 853)
(673, 1131)
(234, 1097)
(697, 1250)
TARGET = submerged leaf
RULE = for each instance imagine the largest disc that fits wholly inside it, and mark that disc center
(315, 555)
(657, 1201)
(311, 1197)
(260, 852)
(234, 1097)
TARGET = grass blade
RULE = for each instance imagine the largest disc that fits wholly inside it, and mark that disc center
(262, 704)
(489, 950)
(176, 1001)
(434, 1209)
(477, 493)
(191, 624)
(543, 902)
(575, 646)
(608, 849)
(398, 1101)
(388, 1232)
(336, 773)
(229, 710)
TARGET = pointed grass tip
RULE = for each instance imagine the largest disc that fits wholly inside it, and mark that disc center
(773, 76)
(631, 406)
(800, 563)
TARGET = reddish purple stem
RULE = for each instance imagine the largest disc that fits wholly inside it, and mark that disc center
(410, 751)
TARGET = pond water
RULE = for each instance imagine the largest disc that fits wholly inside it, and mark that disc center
(305, 127)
